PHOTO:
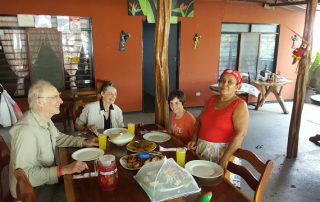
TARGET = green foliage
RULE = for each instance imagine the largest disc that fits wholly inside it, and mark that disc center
(315, 65)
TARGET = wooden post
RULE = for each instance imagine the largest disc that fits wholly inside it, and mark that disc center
(300, 88)
(161, 62)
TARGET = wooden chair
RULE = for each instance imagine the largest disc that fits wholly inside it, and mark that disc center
(62, 117)
(78, 105)
(245, 79)
(4, 161)
(99, 83)
(257, 184)
(24, 188)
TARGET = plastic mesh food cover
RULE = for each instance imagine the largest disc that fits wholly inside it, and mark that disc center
(163, 180)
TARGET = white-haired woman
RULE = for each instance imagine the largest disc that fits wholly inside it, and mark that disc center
(102, 114)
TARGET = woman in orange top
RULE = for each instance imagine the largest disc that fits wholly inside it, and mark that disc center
(223, 123)
(182, 121)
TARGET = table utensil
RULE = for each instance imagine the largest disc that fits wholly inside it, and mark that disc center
(162, 149)
(85, 175)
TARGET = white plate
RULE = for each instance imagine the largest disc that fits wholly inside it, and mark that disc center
(124, 164)
(204, 169)
(141, 145)
(157, 137)
(87, 154)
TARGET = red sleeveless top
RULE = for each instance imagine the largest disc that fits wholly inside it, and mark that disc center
(216, 124)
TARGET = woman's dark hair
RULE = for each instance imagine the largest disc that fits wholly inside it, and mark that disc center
(105, 85)
(177, 94)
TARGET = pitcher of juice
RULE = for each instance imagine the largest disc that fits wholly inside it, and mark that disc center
(107, 172)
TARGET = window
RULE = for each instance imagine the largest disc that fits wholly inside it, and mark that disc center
(248, 47)
(14, 61)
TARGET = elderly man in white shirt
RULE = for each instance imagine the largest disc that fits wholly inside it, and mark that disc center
(34, 138)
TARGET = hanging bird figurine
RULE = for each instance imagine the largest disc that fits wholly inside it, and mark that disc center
(206, 197)
(299, 53)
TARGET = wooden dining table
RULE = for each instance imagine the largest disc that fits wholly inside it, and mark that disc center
(271, 87)
(87, 189)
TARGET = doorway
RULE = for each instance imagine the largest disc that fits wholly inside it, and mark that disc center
(148, 78)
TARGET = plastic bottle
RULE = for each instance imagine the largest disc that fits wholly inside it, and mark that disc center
(206, 197)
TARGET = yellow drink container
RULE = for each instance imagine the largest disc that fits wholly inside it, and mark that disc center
(131, 128)
(181, 156)
(102, 141)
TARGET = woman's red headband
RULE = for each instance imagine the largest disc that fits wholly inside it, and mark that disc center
(234, 73)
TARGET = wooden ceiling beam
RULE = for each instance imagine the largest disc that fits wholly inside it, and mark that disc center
(289, 3)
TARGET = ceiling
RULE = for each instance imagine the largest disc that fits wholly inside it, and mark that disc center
(290, 4)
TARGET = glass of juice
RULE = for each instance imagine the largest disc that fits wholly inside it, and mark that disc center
(102, 139)
(181, 156)
(131, 128)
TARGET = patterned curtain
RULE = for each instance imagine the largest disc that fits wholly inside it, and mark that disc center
(35, 41)
(72, 44)
(14, 47)
(54, 42)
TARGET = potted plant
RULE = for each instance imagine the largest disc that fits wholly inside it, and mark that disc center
(313, 83)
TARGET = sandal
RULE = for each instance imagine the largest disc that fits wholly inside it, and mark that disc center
(315, 139)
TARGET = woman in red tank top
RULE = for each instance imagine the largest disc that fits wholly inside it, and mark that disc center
(223, 123)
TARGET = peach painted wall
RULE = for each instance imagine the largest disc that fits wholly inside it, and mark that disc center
(198, 67)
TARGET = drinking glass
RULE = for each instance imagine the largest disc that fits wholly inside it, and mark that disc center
(102, 141)
(181, 156)
(131, 128)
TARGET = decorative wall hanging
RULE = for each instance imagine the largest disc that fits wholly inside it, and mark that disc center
(179, 8)
(196, 40)
(299, 53)
(294, 38)
(124, 36)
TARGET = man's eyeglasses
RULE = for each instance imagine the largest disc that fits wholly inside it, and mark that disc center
(51, 97)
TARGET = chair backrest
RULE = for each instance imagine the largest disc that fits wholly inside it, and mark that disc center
(4, 161)
(78, 105)
(246, 77)
(24, 188)
(257, 184)
(99, 83)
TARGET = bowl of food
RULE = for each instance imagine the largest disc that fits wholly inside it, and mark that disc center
(119, 136)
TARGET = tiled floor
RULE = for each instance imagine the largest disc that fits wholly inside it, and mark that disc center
(292, 180)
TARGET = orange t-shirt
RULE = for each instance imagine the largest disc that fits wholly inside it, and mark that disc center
(183, 127)
(217, 124)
